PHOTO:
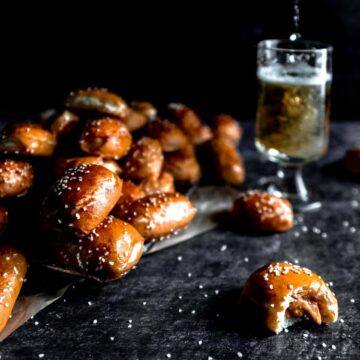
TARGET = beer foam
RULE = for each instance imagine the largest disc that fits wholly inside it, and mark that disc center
(293, 75)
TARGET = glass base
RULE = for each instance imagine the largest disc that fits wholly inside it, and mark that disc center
(289, 183)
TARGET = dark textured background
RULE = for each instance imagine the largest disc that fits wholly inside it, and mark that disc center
(203, 55)
(328, 242)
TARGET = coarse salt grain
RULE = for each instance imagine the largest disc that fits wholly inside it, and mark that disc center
(223, 248)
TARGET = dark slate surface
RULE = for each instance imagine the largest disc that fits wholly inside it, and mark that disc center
(180, 302)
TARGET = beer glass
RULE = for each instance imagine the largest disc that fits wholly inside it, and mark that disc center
(292, 118)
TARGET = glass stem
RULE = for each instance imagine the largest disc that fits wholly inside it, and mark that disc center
(291, 183)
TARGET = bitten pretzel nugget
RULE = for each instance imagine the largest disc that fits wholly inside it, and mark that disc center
(279, 294)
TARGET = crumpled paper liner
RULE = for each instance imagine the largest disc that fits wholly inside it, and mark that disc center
(212, 203)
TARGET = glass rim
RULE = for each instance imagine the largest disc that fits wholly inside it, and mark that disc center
(272, 44)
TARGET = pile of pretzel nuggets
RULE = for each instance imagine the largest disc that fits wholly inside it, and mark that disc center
(92, 182)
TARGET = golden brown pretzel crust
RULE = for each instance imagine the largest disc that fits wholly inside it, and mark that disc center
(64, 123)
(135, 120)
(105, 137)
(226, 126)
(183, 165)
(81, 199)
(282, 292)
(164, 183)
(13, 267)
(228, 161)
(99, 100)
(190, 123)
(130, 193)
(16, 177)
(63, 164)
(145, 108)
(145, 159)
(159, 215)
(170, 136)
(27, 139)
(107, 253)
(263, 212)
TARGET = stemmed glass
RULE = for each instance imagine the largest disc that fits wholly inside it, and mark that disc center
(292, 119)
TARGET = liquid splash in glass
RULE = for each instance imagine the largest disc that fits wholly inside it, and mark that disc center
(296, 19)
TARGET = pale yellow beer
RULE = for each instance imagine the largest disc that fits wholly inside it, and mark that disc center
(292, 119)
